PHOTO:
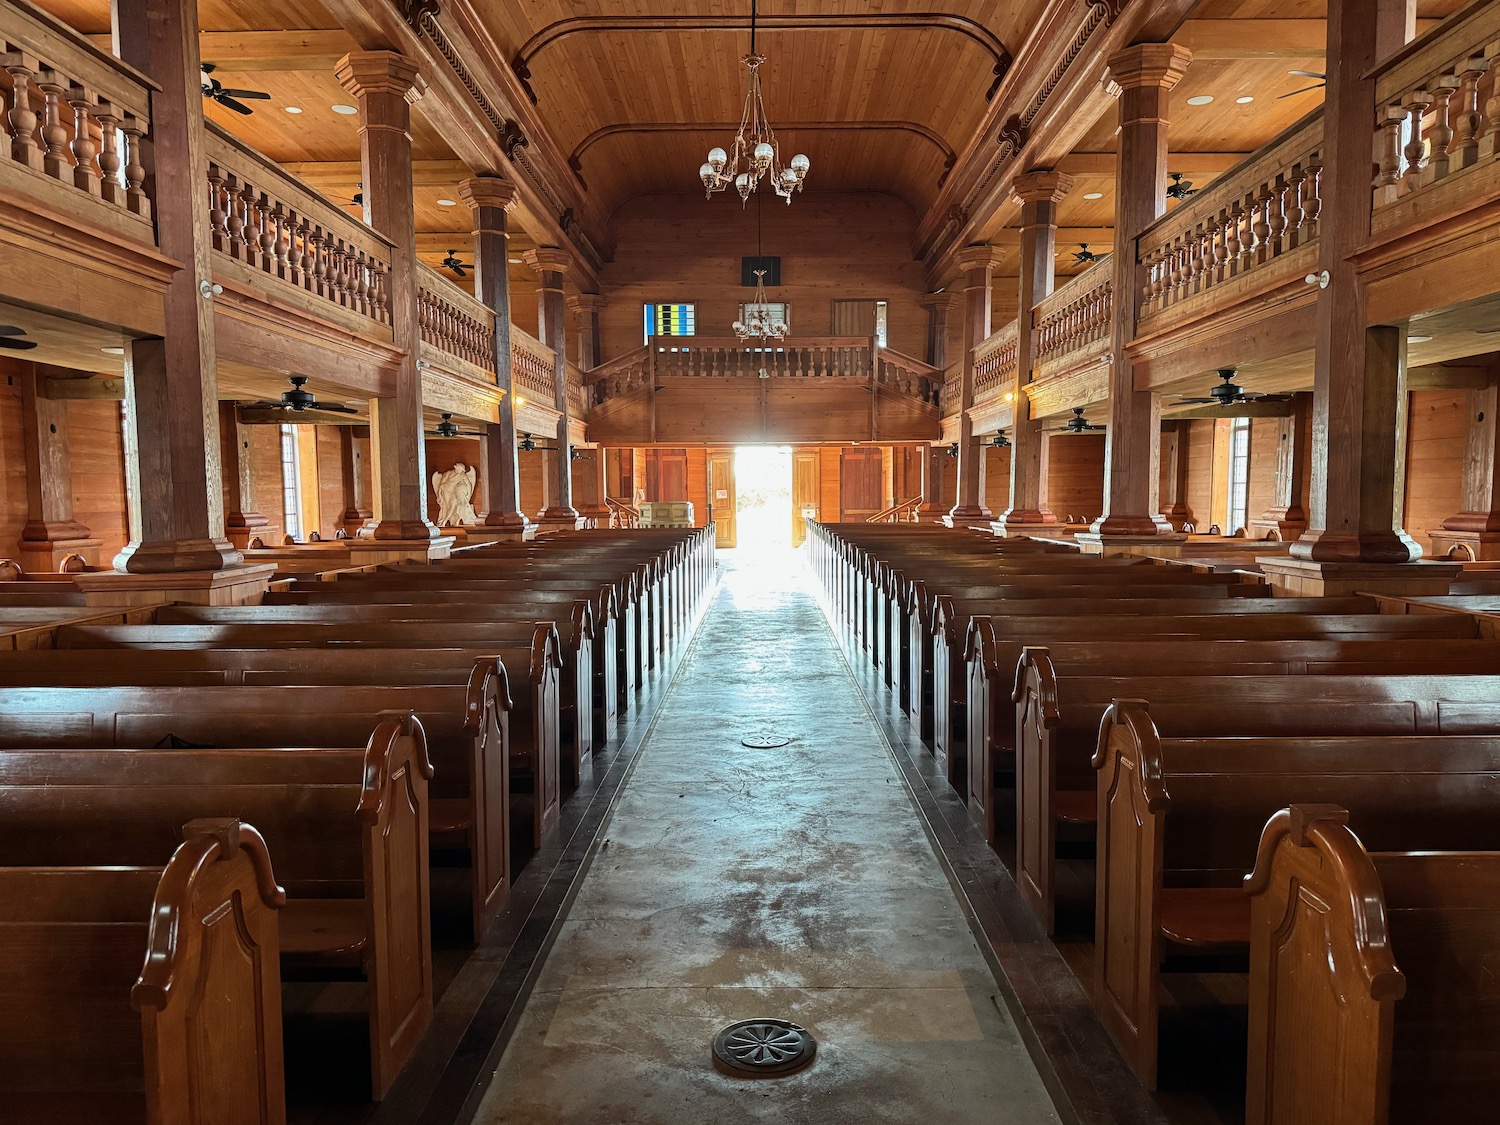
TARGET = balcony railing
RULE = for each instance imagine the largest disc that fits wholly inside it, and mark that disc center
(533, 368)
(1438, 113)
(1247, 222)
(908, 376)
(284, 233)
(1073, 323)
(455, 323)
(74, 121)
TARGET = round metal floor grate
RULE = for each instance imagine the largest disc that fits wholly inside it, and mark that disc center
(765, 741)
(763, 1048)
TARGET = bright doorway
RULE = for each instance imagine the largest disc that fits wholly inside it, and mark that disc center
(763, 509)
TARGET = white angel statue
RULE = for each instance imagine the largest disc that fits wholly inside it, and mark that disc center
(455, 495)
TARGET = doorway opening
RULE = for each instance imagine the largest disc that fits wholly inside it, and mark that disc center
(763, 506)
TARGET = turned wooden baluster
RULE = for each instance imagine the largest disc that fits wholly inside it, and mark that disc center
(1465, 113)
(1415, 152)
(55, 160)
(111, 182)
(1276, 213)
(1313, 206)
(382, 297)
(278, 260)
(1297, 184)
(216, 218)
(1388, 174)
(252, 228)
(135, 172)
(22, 118)
(1440, 136)
(235, 224)
(322, 283)
(365, 288)
(84, 105)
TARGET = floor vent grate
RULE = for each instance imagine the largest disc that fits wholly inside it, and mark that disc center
(763, 1048)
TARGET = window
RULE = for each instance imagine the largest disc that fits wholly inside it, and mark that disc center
(880, 337)
(291, 484)
(669, 320)
(779, 310)
(1239, 475)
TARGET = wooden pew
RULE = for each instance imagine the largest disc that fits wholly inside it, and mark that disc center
(345, 827)
(1372, 977)
(1058, 717)
(1179, 817)
(34, 627)
(473, 731)
(192, 946)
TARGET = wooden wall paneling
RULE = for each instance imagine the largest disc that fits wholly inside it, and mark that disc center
(1265, 434)
(12, 464)
(330, 479)
(949, 467)
(96, 454)
(860, 482)
(442, 455)
(309, 489)
(1075, 476)
(697, 484)
(1218, 497)
(995, 487)
(667, 474)
(830, 502)
(1436, 437)
(638, 474)
(265, 467)
(1200, 455)
(533, 465)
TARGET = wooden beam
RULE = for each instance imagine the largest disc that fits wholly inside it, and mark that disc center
(84, 388)
(1240, 410)
(1098, 238)
(324, 174)
(1442, 377)
(244, 52)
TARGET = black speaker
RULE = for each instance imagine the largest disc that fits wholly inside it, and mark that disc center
(749, 265)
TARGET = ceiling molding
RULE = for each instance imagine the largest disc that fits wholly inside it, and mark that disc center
(912, 21)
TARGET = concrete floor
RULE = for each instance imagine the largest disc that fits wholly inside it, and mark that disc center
(737, 883)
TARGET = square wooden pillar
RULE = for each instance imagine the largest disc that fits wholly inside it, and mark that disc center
(50, 533)
(551, 265)
(978, 264)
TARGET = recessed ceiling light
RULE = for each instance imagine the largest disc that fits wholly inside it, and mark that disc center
(346, 110)
(1246, 100)
(1200, 99)
(1417, 339)
(1093, 195)
(447, 203)
(515, 261)
(113, 351)
(293, 108)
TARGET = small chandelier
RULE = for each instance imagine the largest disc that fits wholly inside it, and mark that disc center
(754, 151)
(759, 320)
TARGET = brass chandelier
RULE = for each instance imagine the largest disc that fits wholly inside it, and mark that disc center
(754, 152)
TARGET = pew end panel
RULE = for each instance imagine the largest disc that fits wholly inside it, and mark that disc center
(1037, 717)
(487, 736)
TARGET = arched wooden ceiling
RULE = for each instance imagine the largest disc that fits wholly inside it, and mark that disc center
(878, 96)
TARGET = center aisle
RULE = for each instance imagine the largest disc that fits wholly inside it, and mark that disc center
(737, 883)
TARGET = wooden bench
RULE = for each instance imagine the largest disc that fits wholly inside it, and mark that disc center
(1059, 732)
(346, 830)
(1179, 817)
(473, 732)
(33, 627)
(1372, 977)
(191, 945)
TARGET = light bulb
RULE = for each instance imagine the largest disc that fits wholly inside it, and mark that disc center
(717, 157)
(707, 174)
(788, 178)
(801, 165)
(763, 154)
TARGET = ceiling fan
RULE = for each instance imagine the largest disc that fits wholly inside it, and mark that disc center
(1078, 424)
(1322, 80)
(526, 444)
(1179, 188)
(451, 262)
(446, 427)
(7, 334)
(1228, 393)
(215, 91)
(297, 400)
(1083, 255)
(358, 198)
(1000, 441)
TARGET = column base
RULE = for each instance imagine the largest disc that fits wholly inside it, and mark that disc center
(1166, 545)
(368, 552)
(1465, 546)
(1277, 529)
(483, 534)
(178, 556)
(1032, 521)
(552, 520)
(235, 585)
(406, 531)
(963, 515)
(1315, 578)
(596, 515)
(245, 527)
(47, 558)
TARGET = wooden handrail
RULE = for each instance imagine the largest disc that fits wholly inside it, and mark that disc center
(533, 366)
(896, 513)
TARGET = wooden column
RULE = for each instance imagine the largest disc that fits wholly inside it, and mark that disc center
(1174, 473)
(585, 308)
(354, 441)
(171, 382)
(1475, 531)
(1142, 76)
(241, 521)
(1040, 193)
(1286, 519)
(385, 84)
(1359, 371)
(490, 200)
(978, 264)
(939, 308)
(50, 533)
(551, 265)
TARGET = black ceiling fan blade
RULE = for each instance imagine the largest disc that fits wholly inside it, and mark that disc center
(1200, 401)
(337, 408)
(253, 95)
(11, 330)
(264, 405)
(1308, 90)
(229, 103)
(18, 345)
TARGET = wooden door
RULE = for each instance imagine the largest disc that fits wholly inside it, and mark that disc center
(806, 474)
(852, 318)
(721, 498)
(861, 491)
(666, 474)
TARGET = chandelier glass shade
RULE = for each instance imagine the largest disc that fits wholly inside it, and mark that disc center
(753, 154)
(760, 320)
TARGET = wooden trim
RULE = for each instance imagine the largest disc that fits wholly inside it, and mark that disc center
(926, 132)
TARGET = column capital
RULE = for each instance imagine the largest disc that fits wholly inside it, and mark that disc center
(938, 302)
(548, 259)
(380, 72)
(981, 256)
(487, 191)
(1147, 64)
(1041, 186)
(586, 302)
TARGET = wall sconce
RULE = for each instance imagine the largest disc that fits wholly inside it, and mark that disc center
(1000, 441)
(953, 450)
